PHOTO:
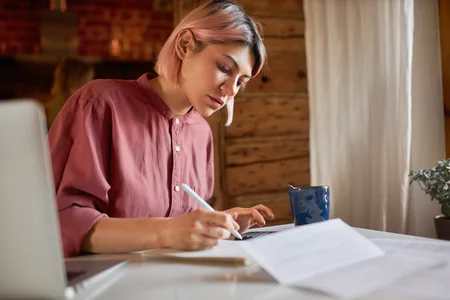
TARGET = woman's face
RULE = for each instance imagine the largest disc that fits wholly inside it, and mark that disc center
(212, 77)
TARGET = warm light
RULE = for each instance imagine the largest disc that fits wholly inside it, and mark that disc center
(115, 47)
(60, 5)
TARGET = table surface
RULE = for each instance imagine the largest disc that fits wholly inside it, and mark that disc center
(146, 279)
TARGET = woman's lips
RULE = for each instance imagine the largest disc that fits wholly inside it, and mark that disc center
(217, 100)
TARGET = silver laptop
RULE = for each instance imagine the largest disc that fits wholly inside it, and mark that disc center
(31, 259)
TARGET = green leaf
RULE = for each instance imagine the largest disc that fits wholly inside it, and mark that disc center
(445, 209)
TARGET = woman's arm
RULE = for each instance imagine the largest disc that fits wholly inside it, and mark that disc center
(197, 230)
(115, 235)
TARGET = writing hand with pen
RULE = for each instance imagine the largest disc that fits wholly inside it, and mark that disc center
(203, 228)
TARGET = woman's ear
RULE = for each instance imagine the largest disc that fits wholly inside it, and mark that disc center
(185, 43)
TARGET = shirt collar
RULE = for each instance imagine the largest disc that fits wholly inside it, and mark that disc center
(158, 103)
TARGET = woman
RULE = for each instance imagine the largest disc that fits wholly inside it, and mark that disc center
(122, 148)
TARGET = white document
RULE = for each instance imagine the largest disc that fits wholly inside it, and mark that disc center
(430, 284)
(225, 252)
(369, 276)
(294, 255)
(225, 249)
(332, 257)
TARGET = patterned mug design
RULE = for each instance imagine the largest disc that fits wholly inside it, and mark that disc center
(309, 204)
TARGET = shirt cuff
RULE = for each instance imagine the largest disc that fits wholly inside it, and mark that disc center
(75, 223)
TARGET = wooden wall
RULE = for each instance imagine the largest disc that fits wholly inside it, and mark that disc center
(444, 27)
(267, 146)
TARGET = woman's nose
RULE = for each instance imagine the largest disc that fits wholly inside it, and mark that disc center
(230, 88)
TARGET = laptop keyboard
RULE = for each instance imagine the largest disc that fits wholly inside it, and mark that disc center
(255, 234)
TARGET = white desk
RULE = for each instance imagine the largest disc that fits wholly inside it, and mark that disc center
(174, 281)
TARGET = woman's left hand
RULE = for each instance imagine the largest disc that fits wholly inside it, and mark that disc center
(248, 217)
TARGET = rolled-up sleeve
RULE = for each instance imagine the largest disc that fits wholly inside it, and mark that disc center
(80, 145)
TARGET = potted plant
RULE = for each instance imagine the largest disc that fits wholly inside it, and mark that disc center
(435, 182)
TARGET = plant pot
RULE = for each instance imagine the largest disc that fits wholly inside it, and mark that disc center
(442, 226)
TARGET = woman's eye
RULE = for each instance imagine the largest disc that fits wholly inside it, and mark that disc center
(223, 68)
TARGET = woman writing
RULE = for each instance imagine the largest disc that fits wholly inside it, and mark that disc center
(122, 148)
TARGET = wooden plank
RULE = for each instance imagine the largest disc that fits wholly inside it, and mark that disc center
(279, 8)
(253, 150)
(444, 27)
(286, 73)
(216, 122)
(276, 44)
(277, 202)
(282, 27)
(270, 116)
(267, 177)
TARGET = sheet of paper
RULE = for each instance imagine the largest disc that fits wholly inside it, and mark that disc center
(430, 284)
(225, 249)
(225, 252)
(294, 255)
(370, 275)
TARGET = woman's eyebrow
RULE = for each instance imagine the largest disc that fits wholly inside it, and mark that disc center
(235, 64)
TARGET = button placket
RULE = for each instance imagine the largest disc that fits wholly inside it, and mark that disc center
(176, 206)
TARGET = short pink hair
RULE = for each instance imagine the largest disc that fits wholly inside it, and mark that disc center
(217, 21)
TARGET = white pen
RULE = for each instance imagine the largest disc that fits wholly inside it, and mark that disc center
(205, 205)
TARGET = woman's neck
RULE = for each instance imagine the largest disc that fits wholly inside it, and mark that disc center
(172, 95)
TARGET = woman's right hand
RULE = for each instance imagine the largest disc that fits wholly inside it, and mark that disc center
(200, 229)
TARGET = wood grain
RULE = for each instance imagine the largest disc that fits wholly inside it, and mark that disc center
(266, 176)
(277, 202)
(288, 44)
(286, 72)
(281, 27)
(279, 8)
(270, 115)
(444, 27)
(253, 150)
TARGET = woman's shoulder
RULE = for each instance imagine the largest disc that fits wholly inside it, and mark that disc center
(108, 88)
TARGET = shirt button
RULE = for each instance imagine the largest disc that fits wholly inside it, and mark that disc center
(177, 148)
(177, 121)
(177, 188)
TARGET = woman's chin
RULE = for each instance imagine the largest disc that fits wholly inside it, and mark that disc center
(205, 112)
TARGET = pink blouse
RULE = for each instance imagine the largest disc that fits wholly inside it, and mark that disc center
(118, 151)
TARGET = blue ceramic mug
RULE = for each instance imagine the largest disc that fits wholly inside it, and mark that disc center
(309, 204)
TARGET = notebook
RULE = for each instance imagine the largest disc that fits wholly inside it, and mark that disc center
(226, 252)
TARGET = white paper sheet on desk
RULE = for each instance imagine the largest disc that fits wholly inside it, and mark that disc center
(297, 254)
(331, 257)
(369, 276)
(430, 284)
(226, 252)
(225, 249)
